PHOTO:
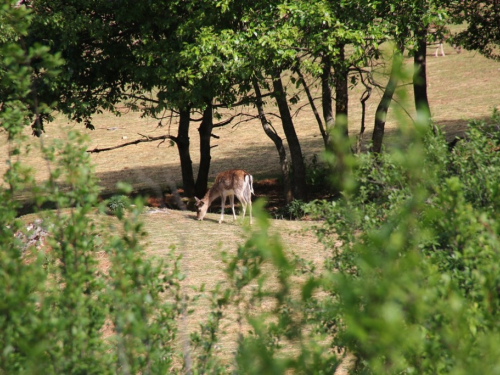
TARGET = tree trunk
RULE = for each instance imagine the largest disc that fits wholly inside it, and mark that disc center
(205, 131)
(299, 170)
(182, 141)
(341, 93)
(383, 106)
(278, 142)
(420, 77)
(322, 130)
(340, 133)
(326, 100)
(364, 97)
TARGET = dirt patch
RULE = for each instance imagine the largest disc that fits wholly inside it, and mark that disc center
(272, 190)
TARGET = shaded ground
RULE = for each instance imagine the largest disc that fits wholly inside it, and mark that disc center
(460, 87)
(269, 189)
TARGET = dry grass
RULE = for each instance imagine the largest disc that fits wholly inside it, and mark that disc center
(201, 244)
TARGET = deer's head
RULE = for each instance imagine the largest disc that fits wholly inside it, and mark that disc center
(201, 208)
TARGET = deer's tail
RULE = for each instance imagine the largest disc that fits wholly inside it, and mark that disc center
(249, 184)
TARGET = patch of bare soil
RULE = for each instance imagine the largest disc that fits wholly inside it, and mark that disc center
(272, 190)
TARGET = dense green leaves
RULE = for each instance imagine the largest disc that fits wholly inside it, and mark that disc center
(482, 31)
(81, 299)
(62, 311)
(417, 272)
(25, 69)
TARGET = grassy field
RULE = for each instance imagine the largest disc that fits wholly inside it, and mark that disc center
(461, 86)
(174, 233)
(201, 244)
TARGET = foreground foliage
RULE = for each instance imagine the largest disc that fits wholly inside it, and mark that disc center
(411, 285)
(418, 282)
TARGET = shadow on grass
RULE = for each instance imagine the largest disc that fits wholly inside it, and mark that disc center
(261, 161)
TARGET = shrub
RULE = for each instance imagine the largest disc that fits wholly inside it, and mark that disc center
(58, 300)
(317, 174)
(117, 204)
(476, 162)
(293, 210)
(416, 268)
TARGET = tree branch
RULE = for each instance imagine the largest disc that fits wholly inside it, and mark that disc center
(302, 80)
(364, 97)
(245, 101)
(248, 116)
(137, 141)
(131, 96)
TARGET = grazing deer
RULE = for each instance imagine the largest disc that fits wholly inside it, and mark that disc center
(233, 182)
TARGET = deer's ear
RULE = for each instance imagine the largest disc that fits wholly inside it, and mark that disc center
(198, 202)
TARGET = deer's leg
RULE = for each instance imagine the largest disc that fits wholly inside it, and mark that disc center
(223, 204)
(231, 199)
(250, 208)
(248, 202)
(243, 202)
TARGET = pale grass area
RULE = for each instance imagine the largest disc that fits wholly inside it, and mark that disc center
(201, 244)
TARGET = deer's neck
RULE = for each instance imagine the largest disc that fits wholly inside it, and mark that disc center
(212, 194)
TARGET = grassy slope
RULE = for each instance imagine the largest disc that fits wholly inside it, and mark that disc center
(201, 243)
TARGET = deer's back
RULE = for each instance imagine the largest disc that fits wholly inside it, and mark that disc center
(233, 179)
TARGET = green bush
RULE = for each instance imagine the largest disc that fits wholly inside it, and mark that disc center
(412, 283)
(117, 204)
(475, 161)
(293, 210)
(416, 269)
(60, 312)
(57, 300)
(317, 174)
